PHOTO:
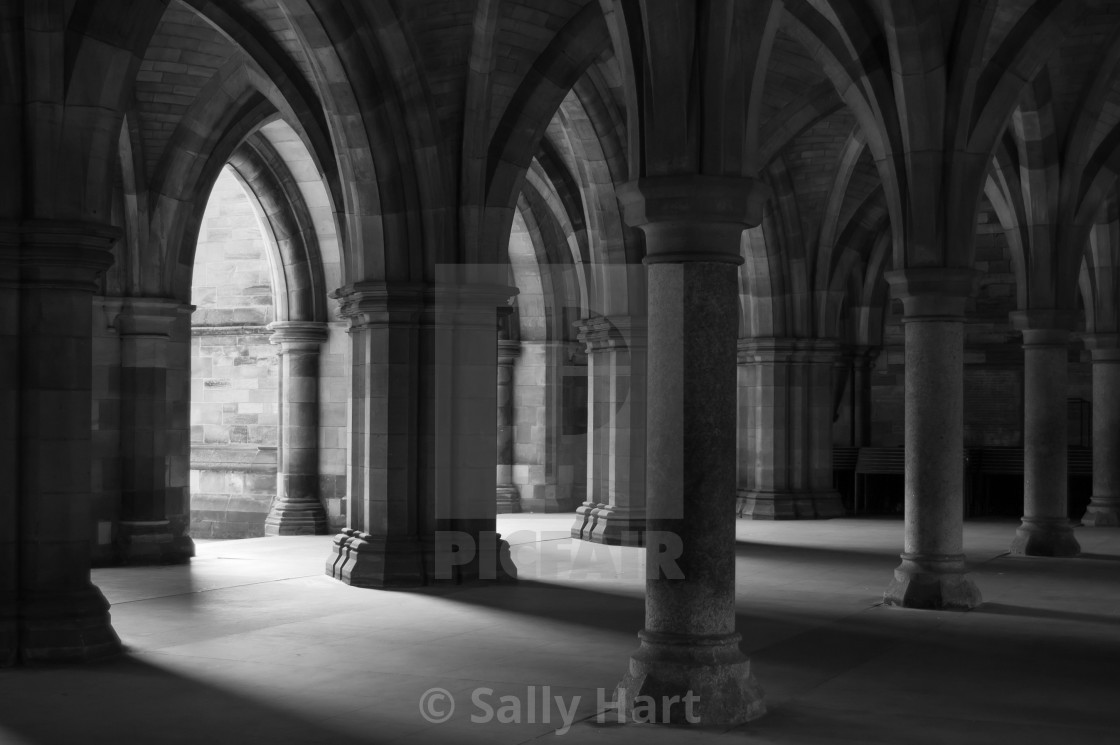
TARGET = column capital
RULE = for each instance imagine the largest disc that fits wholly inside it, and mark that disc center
(508, 351)
(377, 303)
(149, 316)
(788, 349)
(1046, 337)
(1104, 347)
(455, 298)
(601, 332)
(59, 253)
(1043, 327)
(298, 334)
(932, 293)
(693, 217)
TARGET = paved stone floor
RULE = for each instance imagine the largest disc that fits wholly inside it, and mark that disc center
(251, 643)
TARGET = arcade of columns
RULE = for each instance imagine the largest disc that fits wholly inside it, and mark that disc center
(778, 167)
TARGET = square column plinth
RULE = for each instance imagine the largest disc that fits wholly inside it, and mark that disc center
(424, 395)
(49, 609)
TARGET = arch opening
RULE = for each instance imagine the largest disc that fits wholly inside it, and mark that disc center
(235, 380)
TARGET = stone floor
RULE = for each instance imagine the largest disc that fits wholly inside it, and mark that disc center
(251, 643)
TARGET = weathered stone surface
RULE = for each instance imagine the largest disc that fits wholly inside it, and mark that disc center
(508, 495)
(931, 574)
(713, 671)
(1104, 508)
(689, 637)
(297, 508)
(1045, 530)
(444, 331)
(614, 513)
(152, 521)
(932, 585)
(1045, 536)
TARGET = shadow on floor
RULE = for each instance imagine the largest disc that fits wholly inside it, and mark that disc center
(1004, 609)
(812, 554)
(126, 700)
(1099, 557)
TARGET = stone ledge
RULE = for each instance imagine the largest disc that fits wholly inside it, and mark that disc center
(232, 458)
(230, 331)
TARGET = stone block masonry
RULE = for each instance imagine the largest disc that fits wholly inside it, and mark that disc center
(235, 372)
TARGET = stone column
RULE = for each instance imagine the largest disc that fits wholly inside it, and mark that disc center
(932, 572)
(509, 498)
(154, 519)
(614, 512)
(52, 267)
(1046, 529)
(785, 435)
(1104, 507)
(9, 442)
(457, 478)
(422, 478)
(693, 226)
(863, 364)
(381, 545)
(297, 509)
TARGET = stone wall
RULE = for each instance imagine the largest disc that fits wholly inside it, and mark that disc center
(234, 372)
(550, 438)
(334, 407)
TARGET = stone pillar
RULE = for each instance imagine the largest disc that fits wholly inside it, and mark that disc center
(932, 572)
(297, 509)
(9, 442)
(863, 364)
(1104, 507)
(785, 437)
(422, 480)
(614, 512)
(693, 227)
(48, 274)
(381, 545)
(1046, 529)
(509, 498)
(154, 518)
(457, 475)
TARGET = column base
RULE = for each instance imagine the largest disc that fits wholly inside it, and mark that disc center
(509, 499)
(601, 523)
(365, 560)
(296, 519)
(712, 672)
(760, 505)
(486, 558)
(1103, 512)
(1045, 536)
(70, 627)
(148, 543)
(932, 583)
